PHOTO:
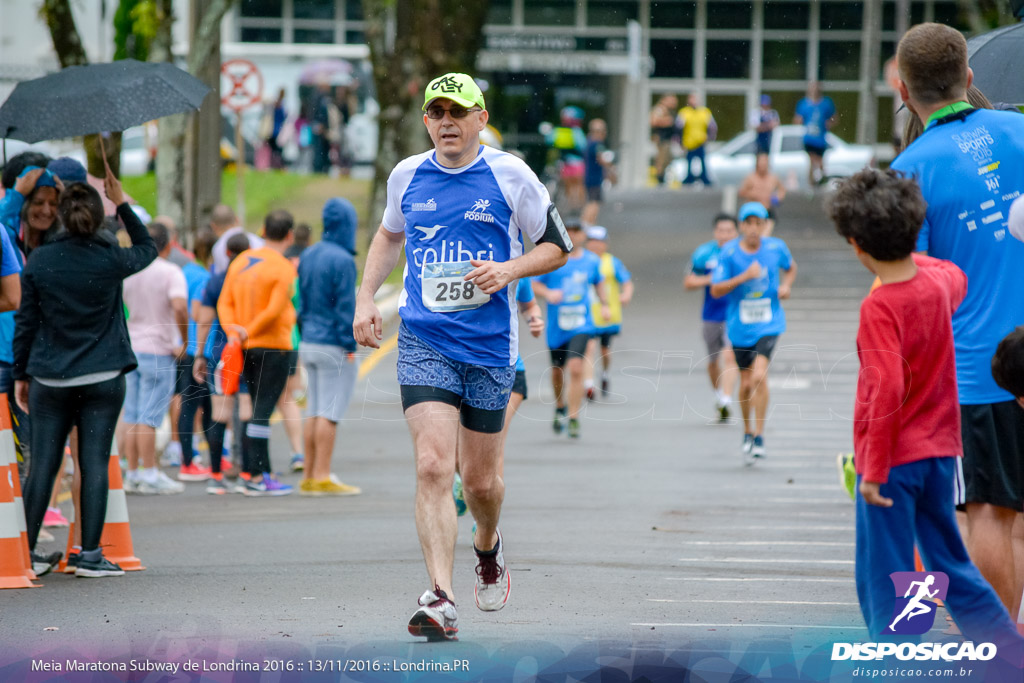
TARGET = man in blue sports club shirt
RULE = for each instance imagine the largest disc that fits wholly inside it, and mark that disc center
(460, 210)
(970, 165)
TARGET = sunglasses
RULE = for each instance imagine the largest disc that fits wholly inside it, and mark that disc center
(456, 112)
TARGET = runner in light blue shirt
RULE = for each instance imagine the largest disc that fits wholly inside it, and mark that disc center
(748, 274)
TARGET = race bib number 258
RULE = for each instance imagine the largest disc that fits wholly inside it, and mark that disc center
(444, 290)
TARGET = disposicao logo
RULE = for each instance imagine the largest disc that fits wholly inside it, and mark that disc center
(916, 593)
(912, 615)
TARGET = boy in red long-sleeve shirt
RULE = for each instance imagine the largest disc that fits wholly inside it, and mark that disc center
(907, 418)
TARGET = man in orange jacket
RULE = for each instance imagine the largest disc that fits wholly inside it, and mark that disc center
(256, 308)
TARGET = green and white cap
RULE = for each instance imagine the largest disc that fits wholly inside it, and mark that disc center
(459, 88)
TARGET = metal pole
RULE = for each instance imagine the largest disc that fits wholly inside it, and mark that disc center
(239, 169)
(867, 115)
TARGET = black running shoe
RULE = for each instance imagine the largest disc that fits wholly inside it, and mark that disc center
(44, 564)
(97, 568)
(559, 424)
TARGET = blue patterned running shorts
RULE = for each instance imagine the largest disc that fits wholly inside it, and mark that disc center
(479, 387)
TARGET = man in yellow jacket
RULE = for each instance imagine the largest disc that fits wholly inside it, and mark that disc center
(698, 126)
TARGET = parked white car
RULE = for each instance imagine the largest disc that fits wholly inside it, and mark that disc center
(734, 160)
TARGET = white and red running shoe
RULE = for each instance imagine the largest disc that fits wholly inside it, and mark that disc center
(492, 580)
(436, 619)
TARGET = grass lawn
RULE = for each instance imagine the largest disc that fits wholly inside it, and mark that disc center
(302, 195)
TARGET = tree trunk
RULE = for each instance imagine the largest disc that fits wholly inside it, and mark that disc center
(170, 154)
(202, 138)
(412, 42)
(70, 52)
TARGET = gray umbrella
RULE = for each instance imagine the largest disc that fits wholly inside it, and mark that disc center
(81, 100)
(996, 58)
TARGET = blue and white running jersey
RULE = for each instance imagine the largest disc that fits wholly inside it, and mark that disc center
(450, 216)
(970, 171)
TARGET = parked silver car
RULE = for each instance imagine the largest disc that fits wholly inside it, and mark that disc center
(734, 160)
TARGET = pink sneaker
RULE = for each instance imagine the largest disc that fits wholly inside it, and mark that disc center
(54, 517)
(193, 472)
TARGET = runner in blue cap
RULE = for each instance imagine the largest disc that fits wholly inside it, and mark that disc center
(748, 275)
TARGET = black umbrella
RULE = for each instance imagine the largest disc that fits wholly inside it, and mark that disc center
(81, 100)
(996, 58)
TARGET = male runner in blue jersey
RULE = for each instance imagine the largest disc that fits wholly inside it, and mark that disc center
(460, 210)
(754, 274)
(970, 166)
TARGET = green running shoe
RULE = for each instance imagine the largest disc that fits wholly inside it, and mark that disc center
(460, 499)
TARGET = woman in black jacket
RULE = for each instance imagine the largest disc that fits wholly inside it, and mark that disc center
(72, 341)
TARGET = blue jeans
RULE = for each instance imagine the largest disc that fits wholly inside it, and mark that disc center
(922, 512)
(690, 156)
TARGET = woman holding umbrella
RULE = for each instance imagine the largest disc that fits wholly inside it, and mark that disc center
(71, 353)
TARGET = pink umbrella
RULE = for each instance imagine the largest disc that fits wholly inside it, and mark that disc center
(333, 71)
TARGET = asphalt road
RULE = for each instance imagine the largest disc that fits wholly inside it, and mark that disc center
(648, 530)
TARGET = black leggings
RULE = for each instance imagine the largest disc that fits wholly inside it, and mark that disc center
(94, 409)
(193, 397)
(266, 373)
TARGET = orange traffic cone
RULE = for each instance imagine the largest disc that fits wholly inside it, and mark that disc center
(116, 540)
(15, 561)
(9, 471)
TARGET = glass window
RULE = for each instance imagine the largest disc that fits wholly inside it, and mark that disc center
(500, 12)
(839, 60)
(313, 9)
(549, 12)
(672, 14)
(729, 114)
(261, 35)
(885, 119)
(353, 10)
(672, 58)
(889, 16)
(730, 14)
(846, 114)
(610, 12)
(728, 59)
(785, 59)
(261, 8)
(314, 35)
(749, 148)
(795, 15)
(792, 143)
(842, 16)
(949, 13)
(916, 12)
(354, 37)
(784, 102)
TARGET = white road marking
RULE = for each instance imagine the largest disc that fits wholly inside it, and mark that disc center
(754, 560)
(816, 626)
(758, 602)
(752, 579)
(797, 543)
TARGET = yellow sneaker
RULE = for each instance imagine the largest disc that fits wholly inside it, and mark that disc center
(307, 487)
(332, 487)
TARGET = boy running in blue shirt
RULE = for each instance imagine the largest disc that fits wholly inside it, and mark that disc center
(748, 274)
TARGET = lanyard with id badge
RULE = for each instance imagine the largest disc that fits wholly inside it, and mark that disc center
(445, 291)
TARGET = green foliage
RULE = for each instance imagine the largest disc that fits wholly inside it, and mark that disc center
(135, 26)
